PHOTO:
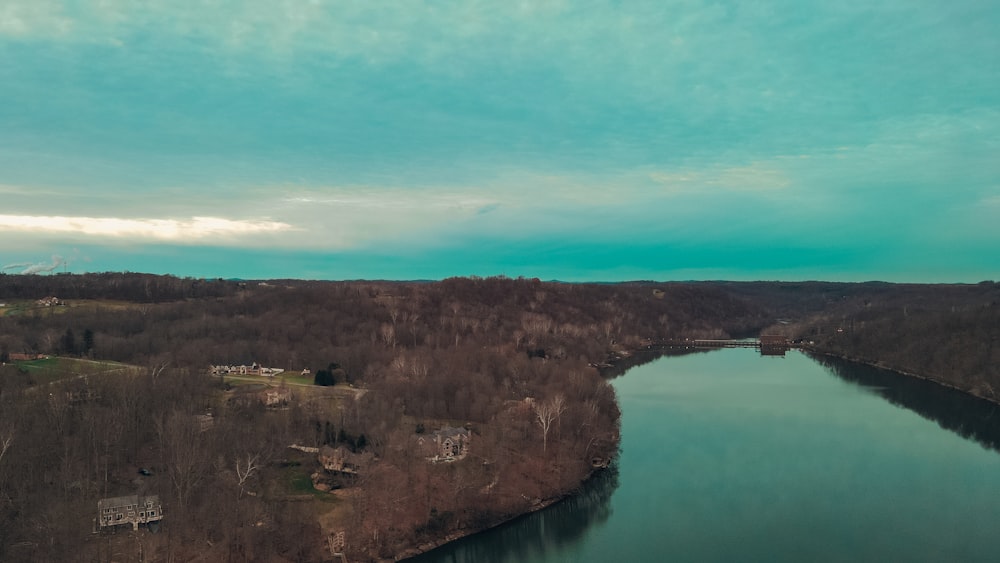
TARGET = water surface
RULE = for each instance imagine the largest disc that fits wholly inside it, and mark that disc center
(731, 456)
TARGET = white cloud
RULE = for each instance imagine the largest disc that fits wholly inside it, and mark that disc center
(757, 177)
(196, 229)
(37, 17)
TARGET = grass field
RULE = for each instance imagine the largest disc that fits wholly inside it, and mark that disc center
(55, 368)
(297, 480)
(24, 307)
(296, 377)
(17, 307)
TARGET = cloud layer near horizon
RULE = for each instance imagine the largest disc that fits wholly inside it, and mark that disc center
(863, 137)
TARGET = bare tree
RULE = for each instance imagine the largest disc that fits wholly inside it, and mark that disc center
(155, 371)
(6, 438)
(546, 413)
(245, 470)
(184, 452)
(5, 441)
(388, 333)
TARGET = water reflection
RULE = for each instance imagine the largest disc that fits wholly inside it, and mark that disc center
(539, 535)
(640, 357)
(727, 456)
(970, 417)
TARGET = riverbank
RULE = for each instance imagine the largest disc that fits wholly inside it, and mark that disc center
(615, 365)
(456, 535)
(619, 362)
(886, 366)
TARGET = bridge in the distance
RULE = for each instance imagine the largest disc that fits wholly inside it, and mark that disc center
(768, 344)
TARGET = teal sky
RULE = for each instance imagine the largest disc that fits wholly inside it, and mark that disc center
(576, 140)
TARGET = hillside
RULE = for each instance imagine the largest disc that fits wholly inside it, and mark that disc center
(507, 361)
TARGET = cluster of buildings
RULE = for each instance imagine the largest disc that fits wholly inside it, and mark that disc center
(252, 369)
(446, 444)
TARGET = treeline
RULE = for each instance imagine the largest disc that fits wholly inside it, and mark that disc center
(508, 359)
(139, 288)
(948, 333)
(363, 325)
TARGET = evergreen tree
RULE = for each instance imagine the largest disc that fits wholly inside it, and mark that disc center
(88, 342)
(67, 344)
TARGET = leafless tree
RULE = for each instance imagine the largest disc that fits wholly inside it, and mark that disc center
(245, 470)
(546, 413)
(184, 454)
(5, 440)
(388, 333)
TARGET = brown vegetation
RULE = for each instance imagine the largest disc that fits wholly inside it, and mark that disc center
(946, 333)
(510, 360)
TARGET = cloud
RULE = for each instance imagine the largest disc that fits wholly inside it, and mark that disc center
(35, 17)
(757, 177)
(36, 268)
(196, 229)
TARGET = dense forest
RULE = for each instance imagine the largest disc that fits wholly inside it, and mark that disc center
(107, 391)
(511, 362)
(946, 333)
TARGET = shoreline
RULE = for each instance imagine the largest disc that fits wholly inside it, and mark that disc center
(457, 535)
(616, 366)
(880, 365)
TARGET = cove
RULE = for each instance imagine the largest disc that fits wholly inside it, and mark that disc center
(729, 456)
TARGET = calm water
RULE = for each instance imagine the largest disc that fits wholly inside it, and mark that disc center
(730, 456)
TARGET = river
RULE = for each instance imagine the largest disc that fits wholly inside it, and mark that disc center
(730, 456)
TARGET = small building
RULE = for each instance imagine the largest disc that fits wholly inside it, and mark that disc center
(773, 345)
(275, 396)
(447, 444)
(26, 357)
(131, 509)
(773, 340)
(343, 460)
(204, 421)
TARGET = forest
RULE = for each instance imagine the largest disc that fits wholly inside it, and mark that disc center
(949, 334)
(107, 390)
(124, 403)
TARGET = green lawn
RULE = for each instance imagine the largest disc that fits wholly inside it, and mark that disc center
(55, 368)
(16, 308)
(297, 480)
(295, 377)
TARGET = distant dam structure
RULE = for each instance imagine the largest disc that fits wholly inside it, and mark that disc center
(768, 344)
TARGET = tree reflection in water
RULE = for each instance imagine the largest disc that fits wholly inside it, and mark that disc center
(970, 417)
(532, 536)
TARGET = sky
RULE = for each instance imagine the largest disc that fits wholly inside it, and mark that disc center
(575, 140)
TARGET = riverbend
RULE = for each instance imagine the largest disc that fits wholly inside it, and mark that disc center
(730, 456)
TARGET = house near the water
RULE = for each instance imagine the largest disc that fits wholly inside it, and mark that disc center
(447, 444)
